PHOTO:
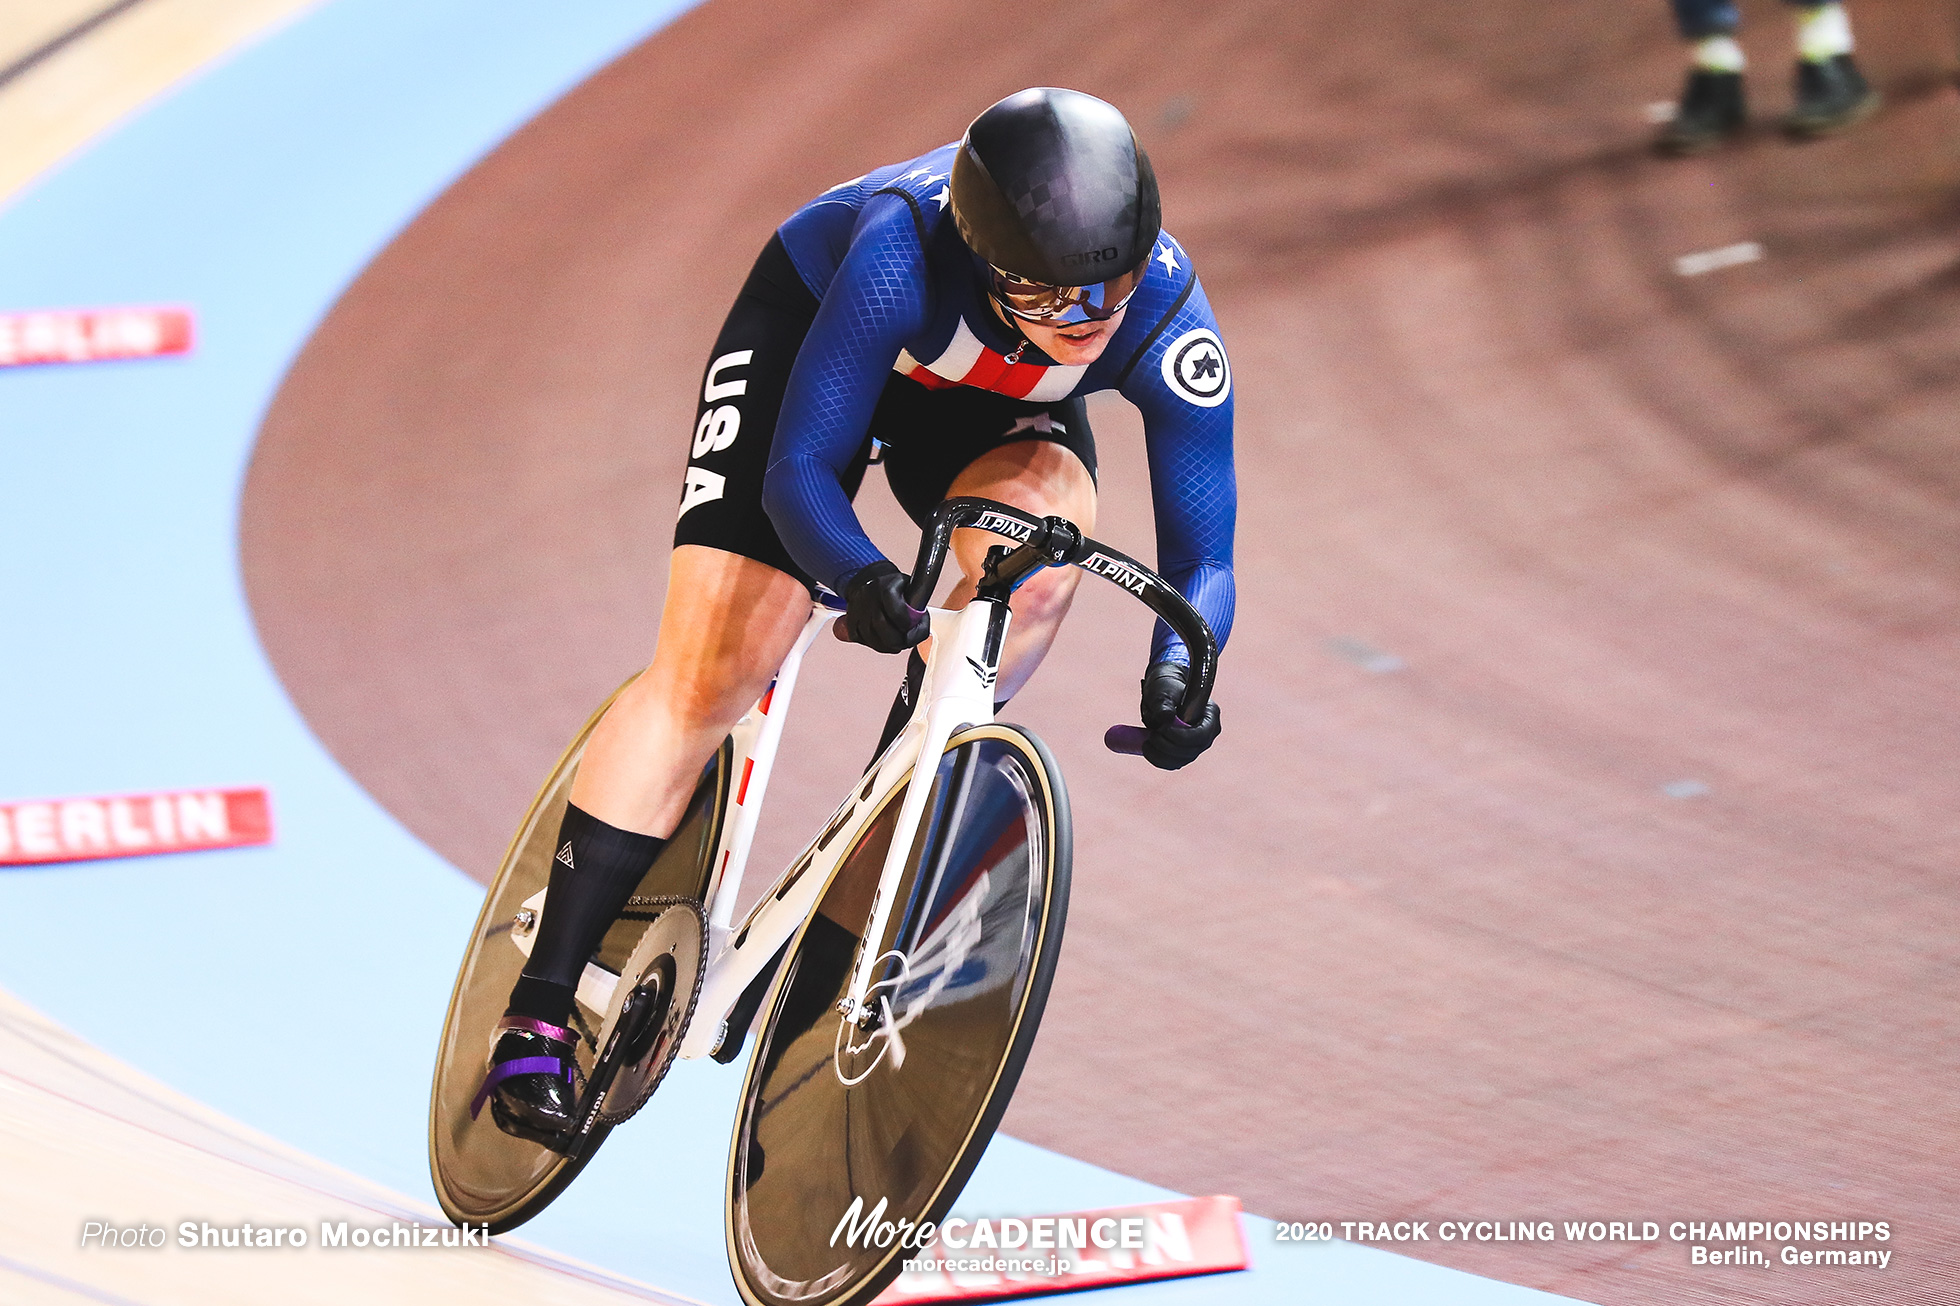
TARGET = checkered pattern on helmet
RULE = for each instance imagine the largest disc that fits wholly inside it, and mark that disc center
(1065, 205)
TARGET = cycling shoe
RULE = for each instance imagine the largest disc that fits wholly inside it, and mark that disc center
(529, 1085)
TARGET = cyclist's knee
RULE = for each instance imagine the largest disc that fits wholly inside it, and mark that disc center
(708, 691)
(727, 624)
(1044, 597)
(1037, 477)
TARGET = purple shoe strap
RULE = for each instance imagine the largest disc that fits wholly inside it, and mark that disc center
(530, 1026)
(516, 1066)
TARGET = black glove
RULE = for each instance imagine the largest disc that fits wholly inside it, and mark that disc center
(876, 614)
(1170, 743)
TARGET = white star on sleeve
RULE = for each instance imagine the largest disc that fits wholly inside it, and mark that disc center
(1168, 258)
(916, 173)
(945, 197)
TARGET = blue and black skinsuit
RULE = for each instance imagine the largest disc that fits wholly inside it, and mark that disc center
(865, 324)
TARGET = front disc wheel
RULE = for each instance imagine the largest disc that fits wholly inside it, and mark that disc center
(842, 1127)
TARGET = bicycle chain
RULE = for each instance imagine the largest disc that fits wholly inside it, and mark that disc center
(585, 1030)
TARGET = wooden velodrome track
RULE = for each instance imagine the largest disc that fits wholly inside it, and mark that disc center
(85, 1136)
(1582, 840)
(70, 69)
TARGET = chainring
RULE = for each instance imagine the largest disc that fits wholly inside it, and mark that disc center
(673, 954)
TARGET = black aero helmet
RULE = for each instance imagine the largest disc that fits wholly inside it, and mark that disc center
(1051, 186)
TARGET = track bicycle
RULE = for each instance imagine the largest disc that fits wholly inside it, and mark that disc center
(894, 974)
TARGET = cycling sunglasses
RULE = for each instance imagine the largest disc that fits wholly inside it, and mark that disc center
(1037, 301)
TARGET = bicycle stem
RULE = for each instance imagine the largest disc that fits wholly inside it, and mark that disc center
(1054, 542)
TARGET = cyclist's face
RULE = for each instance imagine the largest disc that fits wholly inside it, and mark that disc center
(1076, 345)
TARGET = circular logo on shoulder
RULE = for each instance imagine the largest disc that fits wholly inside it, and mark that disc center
(1196, 368)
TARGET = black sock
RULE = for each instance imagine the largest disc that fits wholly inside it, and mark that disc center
(908, 698)
(594, 872)
(541, 1000)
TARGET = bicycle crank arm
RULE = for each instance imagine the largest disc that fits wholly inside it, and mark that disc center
(593, 1100)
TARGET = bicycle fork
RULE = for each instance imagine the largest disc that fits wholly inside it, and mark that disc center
(958, 691)
(961, 677)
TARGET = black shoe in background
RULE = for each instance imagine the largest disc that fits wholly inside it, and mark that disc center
(1711, 111)
(1831, 96)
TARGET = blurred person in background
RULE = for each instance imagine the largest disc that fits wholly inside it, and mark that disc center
(1831, 94)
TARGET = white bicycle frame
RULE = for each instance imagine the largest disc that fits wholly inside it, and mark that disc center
(958, 692)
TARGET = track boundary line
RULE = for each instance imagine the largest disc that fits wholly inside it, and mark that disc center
(48, 49)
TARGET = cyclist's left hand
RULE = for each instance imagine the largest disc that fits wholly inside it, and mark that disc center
(1171, 743)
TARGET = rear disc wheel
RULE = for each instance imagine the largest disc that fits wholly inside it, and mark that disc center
(483, 1175)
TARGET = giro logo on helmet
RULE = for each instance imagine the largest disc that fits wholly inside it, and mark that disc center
(1196, 368)
(1050, 186)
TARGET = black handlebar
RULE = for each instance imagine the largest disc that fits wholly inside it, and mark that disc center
(1055, 542)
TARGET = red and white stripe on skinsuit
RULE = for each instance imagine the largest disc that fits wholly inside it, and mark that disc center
(965, 361)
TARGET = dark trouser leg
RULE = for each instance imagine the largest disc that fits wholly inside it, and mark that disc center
(1696, 19)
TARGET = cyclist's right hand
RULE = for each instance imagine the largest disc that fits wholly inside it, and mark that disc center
(1169, 743)
(876, 614)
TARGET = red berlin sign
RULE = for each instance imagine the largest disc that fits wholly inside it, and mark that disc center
(89, 829)
(92, 335)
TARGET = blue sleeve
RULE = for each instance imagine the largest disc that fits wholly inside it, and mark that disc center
(875, 303)
(1183, 386)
